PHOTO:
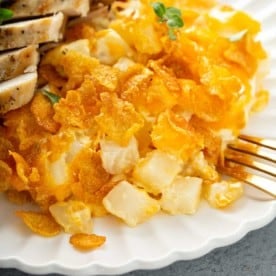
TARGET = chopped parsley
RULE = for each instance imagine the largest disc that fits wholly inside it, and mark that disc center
(54, 98)
(5, 14)
(169, 15)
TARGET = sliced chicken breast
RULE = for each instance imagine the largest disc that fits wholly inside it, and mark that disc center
(17, 92)
(20, 34)
(16, 62)
(27, 8)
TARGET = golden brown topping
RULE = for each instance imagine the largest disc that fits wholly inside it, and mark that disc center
(41, 224)
(86, 241)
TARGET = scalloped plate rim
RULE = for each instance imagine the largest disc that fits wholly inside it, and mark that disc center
(101, 268)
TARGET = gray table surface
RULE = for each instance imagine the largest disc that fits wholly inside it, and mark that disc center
(254, 255)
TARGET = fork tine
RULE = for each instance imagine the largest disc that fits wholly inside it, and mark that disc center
(234, 155)
(237, 171)
(262, 183)
(268, 143)
(265, 168)
(253, 149)
(240, 155)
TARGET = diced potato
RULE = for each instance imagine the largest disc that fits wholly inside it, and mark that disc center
(81, 46)
(118, 159)
(58, 169)
(123, 64)
(74, 216)
(156, 171)
(200, 167)
(221, 194)
(182, 196)
(110, 46)
(130, 204)
(80, 142)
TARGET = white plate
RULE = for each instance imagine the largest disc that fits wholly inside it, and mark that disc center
(164, 239)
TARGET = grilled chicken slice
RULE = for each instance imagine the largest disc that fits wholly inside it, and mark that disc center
(17, 92)
(16, 62)
(20, 34)
(27, 8)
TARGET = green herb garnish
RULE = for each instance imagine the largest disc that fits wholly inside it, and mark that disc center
(169, 15)
(54, 98)
(5, 14)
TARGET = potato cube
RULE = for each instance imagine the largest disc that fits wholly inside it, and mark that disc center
(119, 159)
(110, 47)
(156, 171)
(74, 216)
(182, 196)
(130, 203)
(200, 167)
(221, 194)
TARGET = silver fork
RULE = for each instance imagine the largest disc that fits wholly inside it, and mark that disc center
(252, 160)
